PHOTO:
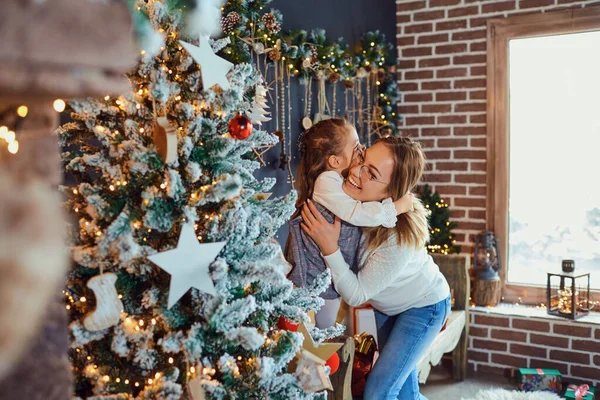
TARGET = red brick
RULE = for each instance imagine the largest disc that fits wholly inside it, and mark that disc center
(469, 130)
(407, 64)
(570, 356)
(469, 178)
(518, 362)
(435, 85)
(470, 154)
(405, 41)
(478, 166)
(402, 18)
(531, 325)
(597, 360)
(469, 202)
(427, 143)
(437, 154)
(477, 191)
(416, 51)
(437, 38)
(461, 12)
(461, 238)
(597, 333)
(435, 131)
(416, 97)
(408, 109)
(434, 62)
(450, 72)
(451, 48)
(571, 330)
(477, 142)
(475, 330)
(478, 95)
(452, 142)
(469, 83)
(411, 75)
(498, 6)
(436, 108)
(450, 25)
(408, 86)
(457, 189)
(491, 369)
(469, 35)
(568, 1)
(412, 132)
(454, 213)
(549, 364)
(452, 166)
(478, 46)
(452, 119)
(585, 345)
(470, 59)
(442, 3)
(476, 214)
(585, 372)
(489, 345)
(471, 226)
(531, 351)
(450, 96)
(491, 320)
(478, 356)
(428, 15)
(552, 341)
(409, 6)
(418, 28)
(470, 107)
(420, 121)
(534, 3)
(429, 177)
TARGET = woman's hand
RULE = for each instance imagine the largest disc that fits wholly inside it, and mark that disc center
(325, 235)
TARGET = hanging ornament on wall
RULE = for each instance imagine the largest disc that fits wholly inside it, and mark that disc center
(323, 105)
(108, 305)
(165, 140)
(240, 127)
(214, 69)
(259, 113)
(307, 121)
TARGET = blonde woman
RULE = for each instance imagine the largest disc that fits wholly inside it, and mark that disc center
(396, 276)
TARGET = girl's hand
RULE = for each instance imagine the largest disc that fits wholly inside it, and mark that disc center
(325, 235)
(404, 204)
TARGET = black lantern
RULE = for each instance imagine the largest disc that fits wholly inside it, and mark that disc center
(487, 257)
(568, 294)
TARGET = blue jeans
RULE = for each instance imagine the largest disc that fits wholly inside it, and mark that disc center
(403, 340)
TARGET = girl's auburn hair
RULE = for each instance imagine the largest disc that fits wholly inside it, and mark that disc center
(323, 139)
(412, 228)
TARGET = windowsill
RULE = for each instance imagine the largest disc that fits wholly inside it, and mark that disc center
(534, 312)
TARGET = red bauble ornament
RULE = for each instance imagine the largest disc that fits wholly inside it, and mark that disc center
(284, 324)
(240, 127)
(334, 363)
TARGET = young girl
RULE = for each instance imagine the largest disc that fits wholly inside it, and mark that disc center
(327, 149)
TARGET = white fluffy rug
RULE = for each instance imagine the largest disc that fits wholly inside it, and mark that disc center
(501, 394)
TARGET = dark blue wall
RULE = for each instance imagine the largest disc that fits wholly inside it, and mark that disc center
(340, 18)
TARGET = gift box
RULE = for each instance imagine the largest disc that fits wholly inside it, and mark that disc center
(365, 348)
(537, 379)
(580, 392)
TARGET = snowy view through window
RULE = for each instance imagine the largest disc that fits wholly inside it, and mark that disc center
(554, 203)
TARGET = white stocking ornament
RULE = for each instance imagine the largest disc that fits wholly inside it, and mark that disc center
(108, 306)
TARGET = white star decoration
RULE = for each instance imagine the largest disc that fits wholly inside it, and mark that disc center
(188, 264)
(214, 68)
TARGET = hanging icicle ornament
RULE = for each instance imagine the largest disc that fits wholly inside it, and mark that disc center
(259, 113)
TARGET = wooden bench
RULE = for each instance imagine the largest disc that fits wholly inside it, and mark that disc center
(452, 339)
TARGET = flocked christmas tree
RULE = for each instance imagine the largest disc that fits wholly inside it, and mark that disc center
(166, 201)
(442, 238)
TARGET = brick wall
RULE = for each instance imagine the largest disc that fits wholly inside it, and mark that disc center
(498, 342)
(442, 74)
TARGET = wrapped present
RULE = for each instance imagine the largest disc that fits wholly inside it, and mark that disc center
(365, 348)
(580, 392)
(537, 379)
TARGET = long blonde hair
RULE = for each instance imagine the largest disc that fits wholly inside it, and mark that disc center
(412, 228)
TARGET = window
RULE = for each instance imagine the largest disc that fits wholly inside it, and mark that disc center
(544, 146)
